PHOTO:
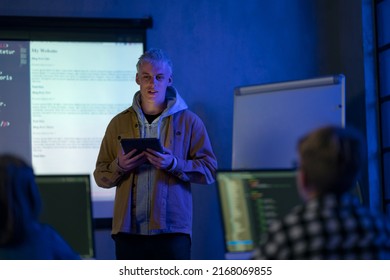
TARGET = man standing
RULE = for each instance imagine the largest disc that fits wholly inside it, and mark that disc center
(153, 203)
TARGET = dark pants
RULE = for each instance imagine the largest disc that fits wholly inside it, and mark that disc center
(170, 246)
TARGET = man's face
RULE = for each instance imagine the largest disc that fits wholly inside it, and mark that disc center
(153, 81)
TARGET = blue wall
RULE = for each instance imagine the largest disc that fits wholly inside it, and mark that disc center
(219, 45)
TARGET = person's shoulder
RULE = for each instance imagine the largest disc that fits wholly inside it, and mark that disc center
(187, 114)
(48, 232)
(293, 219)
(125, 112)
(191, 119)
(123, 116)
(59, 246)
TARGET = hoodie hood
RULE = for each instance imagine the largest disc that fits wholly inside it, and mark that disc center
(175, 103)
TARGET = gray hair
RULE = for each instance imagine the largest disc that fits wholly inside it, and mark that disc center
(154, 56)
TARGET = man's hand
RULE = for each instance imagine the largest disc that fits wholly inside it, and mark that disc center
(160, 160)
(128, 162)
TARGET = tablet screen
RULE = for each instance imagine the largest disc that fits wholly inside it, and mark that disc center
(141, 144)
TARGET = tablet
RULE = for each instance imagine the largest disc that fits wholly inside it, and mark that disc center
(141, 144)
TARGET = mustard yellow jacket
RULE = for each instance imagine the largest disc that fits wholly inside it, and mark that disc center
(171, 201)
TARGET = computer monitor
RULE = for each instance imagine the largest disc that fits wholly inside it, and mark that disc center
(251, 200)
(66, 206)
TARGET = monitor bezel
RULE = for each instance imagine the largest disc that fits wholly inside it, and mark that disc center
(88, 190)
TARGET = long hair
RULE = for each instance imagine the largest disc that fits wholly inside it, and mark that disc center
(20, 202)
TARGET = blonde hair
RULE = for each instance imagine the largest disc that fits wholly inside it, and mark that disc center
(154, 56)
(332, 158)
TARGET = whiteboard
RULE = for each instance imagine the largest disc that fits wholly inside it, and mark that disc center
(269, 119)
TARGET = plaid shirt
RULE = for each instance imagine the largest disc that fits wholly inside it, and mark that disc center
(330, 227)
